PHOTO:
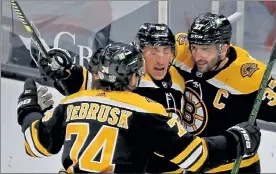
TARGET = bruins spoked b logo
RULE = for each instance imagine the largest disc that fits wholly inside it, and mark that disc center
(195, 115)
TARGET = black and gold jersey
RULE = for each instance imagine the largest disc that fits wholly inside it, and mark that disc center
(79, 80)
(107, 132)
(217, 100)
(168, 92)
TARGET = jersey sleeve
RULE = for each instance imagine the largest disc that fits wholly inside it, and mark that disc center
(183, 59)
(189, 152)
(79, 80)
(43, 135)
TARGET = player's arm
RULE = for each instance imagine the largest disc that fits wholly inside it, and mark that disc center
(76, 81)
(268, 107)
(43, 136)
(192, 153)
(182, 60)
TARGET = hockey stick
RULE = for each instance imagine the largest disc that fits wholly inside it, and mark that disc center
(30, 29)
(258, 100)
(34, 36)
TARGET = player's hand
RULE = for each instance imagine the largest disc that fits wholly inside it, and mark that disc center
(28, 100)
(45, 98)
(60, 64)
(248, 138)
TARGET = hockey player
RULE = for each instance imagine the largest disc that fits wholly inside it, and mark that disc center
(102, 130)
(221, 81)
(162, 83)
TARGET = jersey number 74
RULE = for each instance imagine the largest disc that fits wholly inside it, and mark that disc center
(105, 140)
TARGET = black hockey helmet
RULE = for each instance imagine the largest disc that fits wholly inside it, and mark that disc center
(116, 62)
(210, 28)
(151, 34)
(94, 61)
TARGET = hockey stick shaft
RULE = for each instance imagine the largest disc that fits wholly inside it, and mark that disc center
(258, 100)
(34, 35)
(29, 28)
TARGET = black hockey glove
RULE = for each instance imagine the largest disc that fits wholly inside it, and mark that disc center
(60, 65)
(247, 137)
(33, 100)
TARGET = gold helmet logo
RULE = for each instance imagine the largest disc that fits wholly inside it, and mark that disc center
(248, 69)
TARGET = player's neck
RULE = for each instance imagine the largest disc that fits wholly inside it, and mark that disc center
(223, 63)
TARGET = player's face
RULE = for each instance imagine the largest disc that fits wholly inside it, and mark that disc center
(205, 57)
(157, 61)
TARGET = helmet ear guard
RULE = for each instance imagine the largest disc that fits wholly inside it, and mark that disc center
(94, 61)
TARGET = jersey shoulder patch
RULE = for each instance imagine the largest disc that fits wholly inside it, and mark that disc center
(181, 38)
(248, 69)
(244, 75)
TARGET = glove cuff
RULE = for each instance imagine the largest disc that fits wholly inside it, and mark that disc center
(22, 113)
(233, 144)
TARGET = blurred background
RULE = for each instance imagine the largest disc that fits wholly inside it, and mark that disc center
(83, 26)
